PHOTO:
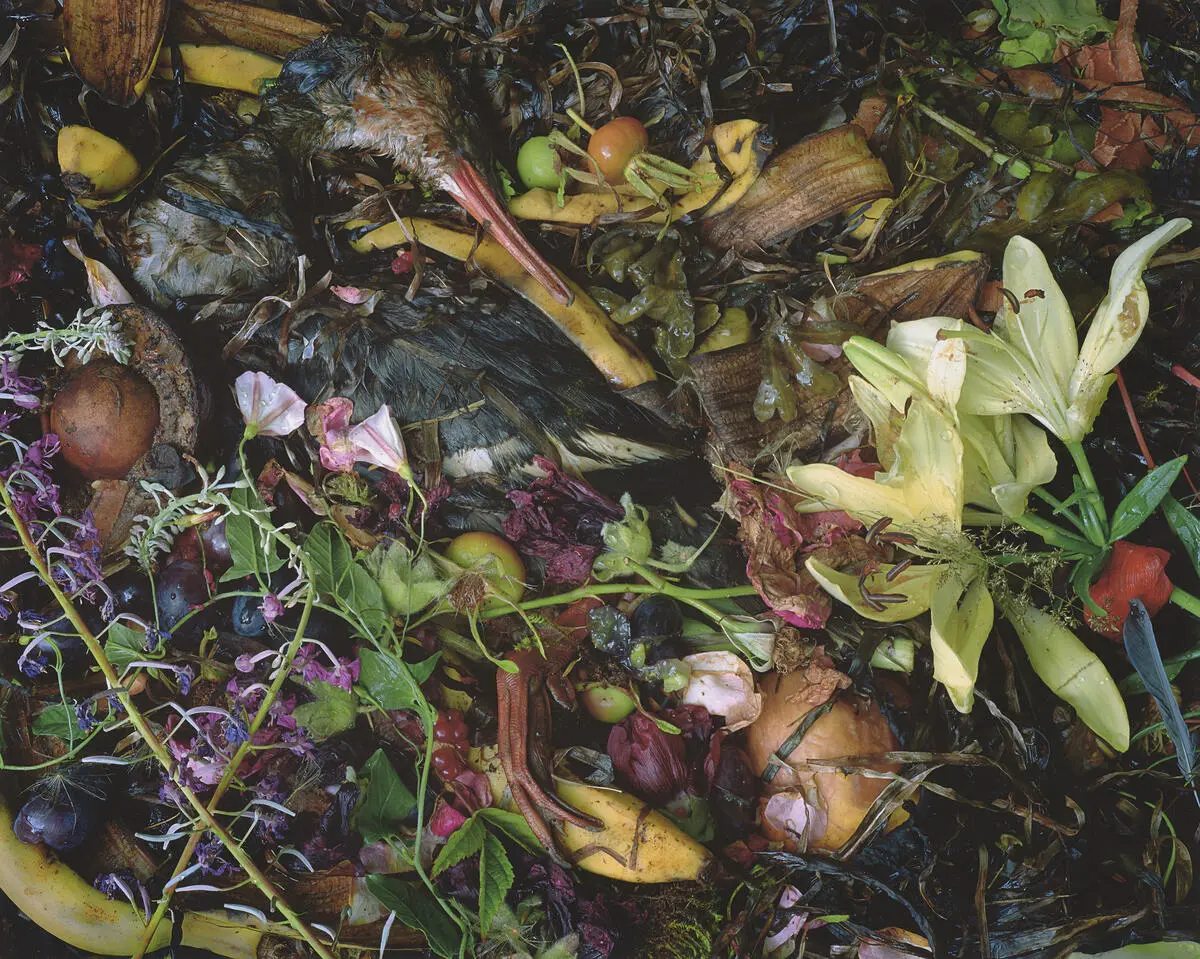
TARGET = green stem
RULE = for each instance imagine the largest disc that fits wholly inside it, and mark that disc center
(1185, 600)
(143, 728)
(1017, 167)
(1060, 508)
(681, 593)
(1093, 501)
(230, 773)
(1056, 535)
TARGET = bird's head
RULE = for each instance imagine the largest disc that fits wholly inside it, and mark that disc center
(382, 97)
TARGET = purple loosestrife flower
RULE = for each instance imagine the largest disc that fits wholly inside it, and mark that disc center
(86, 717)
(210, 857)
(268, 407)
(21, 390)
(30, 483)
(272, 608)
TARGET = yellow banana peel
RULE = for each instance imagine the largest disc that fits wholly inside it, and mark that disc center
(635, 843)
(221, 65)
(739, 147)
(93, 164)
(58, 899)
(584, 322)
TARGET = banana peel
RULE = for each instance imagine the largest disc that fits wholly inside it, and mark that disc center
(93, 164)
(741, 149)
(114, 44)
(59, 900)
(243, 25)
(635, 842)
(221, 65)
(584, 322)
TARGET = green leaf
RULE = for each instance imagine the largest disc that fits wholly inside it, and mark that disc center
(424, 669)
(338, 576)
(416, 908)
(1144, 498)
(1187, 527)
(463, 843)
(512, 825)
(332, 712)
(1081, 581)
(390, 681)
(57, 720)
(247, 550)
(386, 803)
(123, 645)
(495, 879)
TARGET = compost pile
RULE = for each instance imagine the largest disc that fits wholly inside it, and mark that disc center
(567, 479)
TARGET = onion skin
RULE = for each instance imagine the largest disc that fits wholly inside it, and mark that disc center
(852, 727)
(105, 418)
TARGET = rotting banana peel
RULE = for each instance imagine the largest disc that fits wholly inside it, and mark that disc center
(584, 322)
(93, 164)
(242, 24)
(58, 899)
(740, 148)
(220, 65)
(114, 44)
(635, 843)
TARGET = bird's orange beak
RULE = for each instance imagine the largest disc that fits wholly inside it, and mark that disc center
(472, 193)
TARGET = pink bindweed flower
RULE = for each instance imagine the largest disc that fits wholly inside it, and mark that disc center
(375, 441)
(268, 407)
(272, 608)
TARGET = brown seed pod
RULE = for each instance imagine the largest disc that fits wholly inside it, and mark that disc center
(105, 417)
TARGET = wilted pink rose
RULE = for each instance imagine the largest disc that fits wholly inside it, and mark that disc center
(445, 820)
(648, 762)
(268, 407)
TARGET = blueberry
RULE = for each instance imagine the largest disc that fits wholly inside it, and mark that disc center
(248, 618)
(657, 617)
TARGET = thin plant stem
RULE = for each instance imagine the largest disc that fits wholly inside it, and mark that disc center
(681, 593)
(1056, 535)
(1185, 600)
(243, 750)
(1093, 502)
(140, 724)
(1060, 508)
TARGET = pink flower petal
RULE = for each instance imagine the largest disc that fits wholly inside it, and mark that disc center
(379, 442)
(269, 408)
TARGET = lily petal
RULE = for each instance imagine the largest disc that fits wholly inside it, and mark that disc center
(941, 364)
(884, 369)
(886, 420)
(863, 498)
(1043, 329)
(916, 584)
(1073, 672)
(1118, 323)
(961, 620)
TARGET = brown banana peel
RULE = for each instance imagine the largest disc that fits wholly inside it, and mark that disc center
(740, 148)
(584, 322)
(58, 899)
(242, 25)
(114, 44)
(221, 65)
(822, 175)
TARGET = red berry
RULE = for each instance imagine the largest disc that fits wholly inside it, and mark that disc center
(451, 728)
(448, 763)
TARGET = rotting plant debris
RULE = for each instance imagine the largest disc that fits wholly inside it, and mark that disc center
(567, 481)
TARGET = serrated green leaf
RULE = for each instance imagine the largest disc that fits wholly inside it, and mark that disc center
(386, 802)
(463, 843)
(512, 825)
(339, 577)
(416, 908)
(1144, 498)
(329, 557)
(333, 711)
(390, 681)
(1186, 525)
(123, 645)
(495, 879)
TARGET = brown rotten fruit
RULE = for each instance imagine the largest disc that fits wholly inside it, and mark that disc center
(105, 417)
(853, 727)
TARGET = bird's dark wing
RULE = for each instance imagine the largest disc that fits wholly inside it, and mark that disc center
(503, 383)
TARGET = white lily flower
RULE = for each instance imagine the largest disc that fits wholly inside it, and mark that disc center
(1031, 362)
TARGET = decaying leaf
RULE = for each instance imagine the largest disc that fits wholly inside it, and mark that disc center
(243, 25)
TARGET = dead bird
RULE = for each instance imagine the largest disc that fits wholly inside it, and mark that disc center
(501, 381)
(224, 219)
